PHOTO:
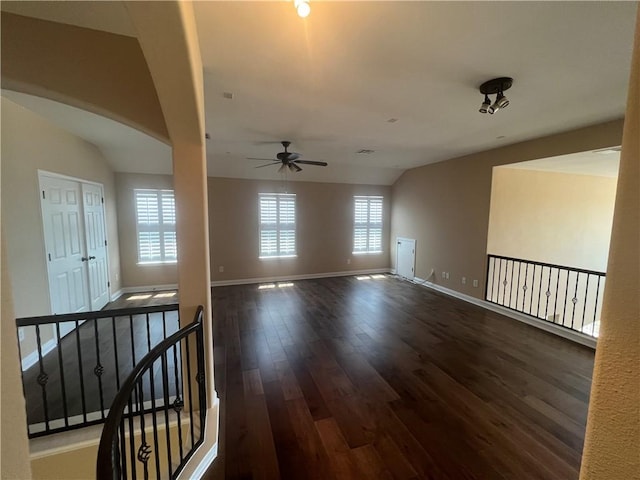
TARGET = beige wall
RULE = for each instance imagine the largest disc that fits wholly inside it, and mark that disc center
(324, 236)
(551, 217)
(14, 446)
(29, 143)
(324, 229)
(132, 273)
(612, 440)
(445, 206)
(96, 71)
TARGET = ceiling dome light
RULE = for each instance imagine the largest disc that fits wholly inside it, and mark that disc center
(485, 105)
(303, 8)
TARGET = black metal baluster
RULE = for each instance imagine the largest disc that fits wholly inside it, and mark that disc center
(493, 280)
(82, 395)
(540, 290)
(132, 442)
(115, 352)
(504, 283)
(148, 334)
(201, 377)
(154, 421)
(144, 452)
(118, 469)
(164, 325)
(133, 353)
(566, 296)
(42, 379)
(189, 380)
(499, 281)
(548, 294)
(24, 393)
(555, 305)
(524, 287)
(486, 283)
(518, 287)
(513, 265)
(99, 369)
(165, 382)
(123, 450)
(533, 285)
(574, 300)
(595, 308)
(584, 307)
(178, 403)
(63, 386)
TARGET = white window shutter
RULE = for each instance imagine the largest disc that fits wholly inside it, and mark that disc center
(277, 224)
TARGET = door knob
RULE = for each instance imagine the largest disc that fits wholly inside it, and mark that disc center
(91, 257)
(84, 259)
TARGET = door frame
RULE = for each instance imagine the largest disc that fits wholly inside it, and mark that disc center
(45, 173)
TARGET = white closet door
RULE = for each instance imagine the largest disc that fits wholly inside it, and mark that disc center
(65, 244)
(96, 245)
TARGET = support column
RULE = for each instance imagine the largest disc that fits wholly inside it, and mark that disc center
(612, 443)
(167, 34)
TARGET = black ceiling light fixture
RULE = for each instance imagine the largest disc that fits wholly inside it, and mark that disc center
(497, 87)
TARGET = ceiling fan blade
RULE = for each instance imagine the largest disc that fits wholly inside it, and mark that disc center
(311, 162)
(294, 167)
(281, 168)
(267, 164)
(293, 156)
(263, 159)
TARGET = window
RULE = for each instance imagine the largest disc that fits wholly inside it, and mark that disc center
(156, 222)
(367, 227)
(277, 225)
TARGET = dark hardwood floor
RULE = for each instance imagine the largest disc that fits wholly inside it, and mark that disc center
(380, 379)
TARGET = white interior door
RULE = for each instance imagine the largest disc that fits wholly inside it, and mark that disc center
(75, 242)
(406, 257)
(96, 239)
(63, 224)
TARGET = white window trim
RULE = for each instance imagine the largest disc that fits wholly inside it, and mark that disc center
(368, 225)
(277, 227)
(161, 227)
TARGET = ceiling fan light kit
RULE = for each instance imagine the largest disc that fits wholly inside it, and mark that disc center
(287, 159)
(303, 8)
(497, 87)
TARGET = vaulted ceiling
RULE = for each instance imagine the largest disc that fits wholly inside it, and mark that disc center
(398, 78)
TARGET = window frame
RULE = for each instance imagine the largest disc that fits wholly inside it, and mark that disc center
(368, 226)
(162, 227)
(278, 226)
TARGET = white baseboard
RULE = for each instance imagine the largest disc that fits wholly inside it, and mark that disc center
(116, 295)
(308, 276)
(149, 288)
(31, 359)
(541, 324)
(246, 281)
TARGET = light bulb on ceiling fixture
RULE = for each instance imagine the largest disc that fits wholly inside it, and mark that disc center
(303, 8)
(501, 102)
(485, 105)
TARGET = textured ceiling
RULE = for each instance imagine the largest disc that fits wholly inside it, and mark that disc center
(331, 82)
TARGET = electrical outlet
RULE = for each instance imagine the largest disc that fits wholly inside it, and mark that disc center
(464, 280)
(348, 261)
(21, 334)
(475, 283)
(444, 275)
(221, 268)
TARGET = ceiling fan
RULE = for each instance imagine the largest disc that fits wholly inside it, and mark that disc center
(288, 159)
